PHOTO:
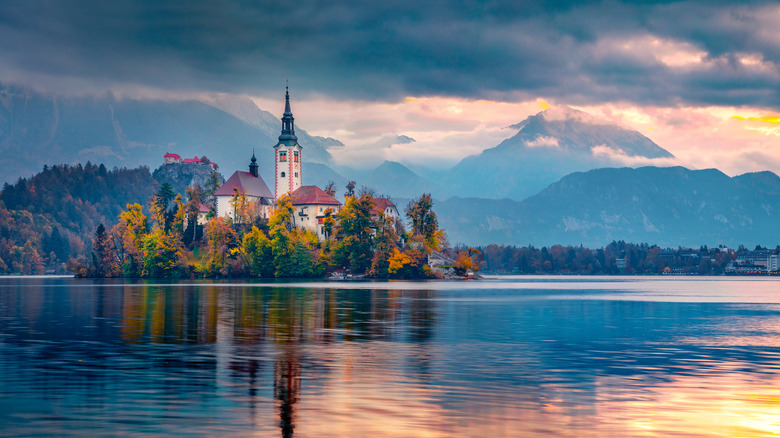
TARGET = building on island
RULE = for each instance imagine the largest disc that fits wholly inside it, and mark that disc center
(311, 205)
(251, 185)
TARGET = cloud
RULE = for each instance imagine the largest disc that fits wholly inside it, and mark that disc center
(619, 156)
(543, 141)
(690, 52)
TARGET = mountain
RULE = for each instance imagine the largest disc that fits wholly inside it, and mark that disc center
(39, 128)
(396, 180)
(548, 146)
(668, 206)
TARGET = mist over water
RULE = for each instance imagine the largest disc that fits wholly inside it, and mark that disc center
(508, 356)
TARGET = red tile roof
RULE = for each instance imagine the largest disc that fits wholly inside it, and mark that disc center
(246, 183)
(380, 204)
(203, 208)
(170, 155)
(312, 195)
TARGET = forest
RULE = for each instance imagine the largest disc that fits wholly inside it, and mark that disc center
(169, 243)
(50, 218)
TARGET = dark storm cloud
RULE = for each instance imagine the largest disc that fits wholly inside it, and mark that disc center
(389, 49)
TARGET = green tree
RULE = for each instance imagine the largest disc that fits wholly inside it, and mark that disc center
(353, 246)
(192, 209)
(211, 187)
(258, 255)
(162, 255)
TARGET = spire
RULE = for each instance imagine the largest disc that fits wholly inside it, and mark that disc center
(253, 165)
(288, 122)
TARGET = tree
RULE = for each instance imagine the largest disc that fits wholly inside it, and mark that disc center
(133, 226)
(211, 187)
(424, 223)
(385, 245)
(259, 258)
(467, 261)
(221, 244)
(330, 188)
(104, 259)
(350, 189)
(162, 255)
(162, 200)
(353, 246)
(192, 208)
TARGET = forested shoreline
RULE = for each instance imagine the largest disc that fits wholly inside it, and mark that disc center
(51, 223)
(168, 243)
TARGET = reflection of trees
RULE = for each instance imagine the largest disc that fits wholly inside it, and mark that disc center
(160, 314)
(190, 314)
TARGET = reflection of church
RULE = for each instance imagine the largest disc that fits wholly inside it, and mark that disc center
(310, 202)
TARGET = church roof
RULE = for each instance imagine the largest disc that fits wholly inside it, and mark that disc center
(312, 195)
(246, 183)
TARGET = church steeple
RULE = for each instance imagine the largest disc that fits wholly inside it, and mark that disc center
(289, 155)
(253, 165)
(288, 121)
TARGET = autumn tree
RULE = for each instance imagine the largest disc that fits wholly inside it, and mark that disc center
(424, 224)
(162, 255)
(133, 226)
(330, 188)
(103, 255)
(221, 246)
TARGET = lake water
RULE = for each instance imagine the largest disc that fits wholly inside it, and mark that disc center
(509, 356)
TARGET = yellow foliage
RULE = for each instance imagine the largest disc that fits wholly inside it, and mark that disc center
(398, 261)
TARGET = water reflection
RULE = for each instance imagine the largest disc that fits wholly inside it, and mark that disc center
(110, 358)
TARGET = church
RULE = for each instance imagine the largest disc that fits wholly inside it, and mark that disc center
(310, 202)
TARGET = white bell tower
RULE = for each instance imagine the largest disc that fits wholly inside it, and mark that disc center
(288, 158)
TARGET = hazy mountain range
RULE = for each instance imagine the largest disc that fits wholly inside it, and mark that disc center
(537, 187)
(669, 206)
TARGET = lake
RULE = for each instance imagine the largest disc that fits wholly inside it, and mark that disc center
(505, 356)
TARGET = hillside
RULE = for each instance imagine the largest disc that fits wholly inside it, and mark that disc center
(668, 206)
(57, 211)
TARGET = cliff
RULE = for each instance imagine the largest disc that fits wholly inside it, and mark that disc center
(182, 175)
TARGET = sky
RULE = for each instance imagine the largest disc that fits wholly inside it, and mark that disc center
(700, 78)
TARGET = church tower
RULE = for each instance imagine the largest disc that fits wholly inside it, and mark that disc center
(287, 168)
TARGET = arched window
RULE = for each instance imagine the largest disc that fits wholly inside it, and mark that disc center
(282, 174)
(283, 156)
(295, 156)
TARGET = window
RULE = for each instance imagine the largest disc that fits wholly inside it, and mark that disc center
(295, 156)
(282, 174)
(296, 174)
(282, 156)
